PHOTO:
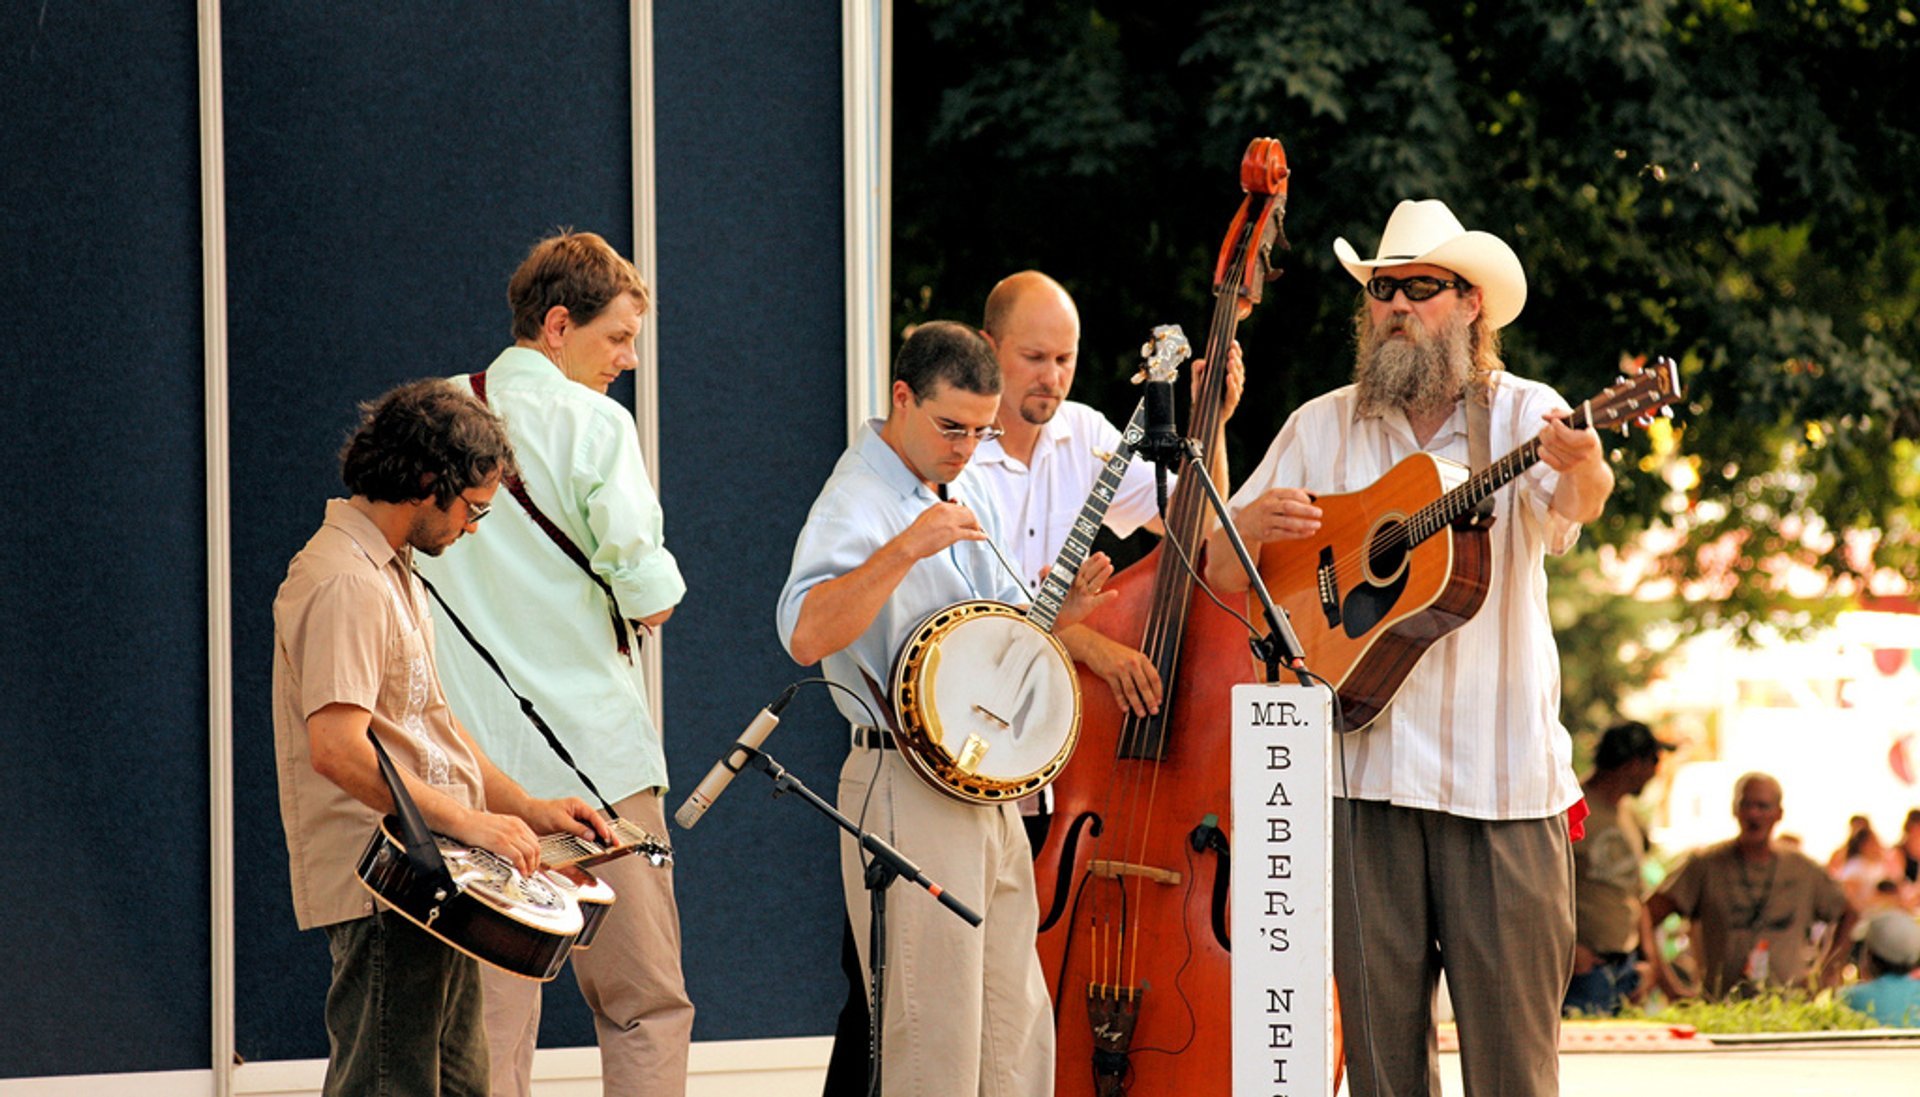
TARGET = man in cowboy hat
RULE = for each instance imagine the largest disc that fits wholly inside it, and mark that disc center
(1451, 846)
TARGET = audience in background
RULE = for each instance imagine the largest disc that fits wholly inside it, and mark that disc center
(1753, 906)
(1888, 991)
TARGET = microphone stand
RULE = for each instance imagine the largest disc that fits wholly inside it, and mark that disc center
(1280, 645)
(886, 866)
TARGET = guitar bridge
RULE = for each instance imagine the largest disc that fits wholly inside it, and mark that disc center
(1329, 587)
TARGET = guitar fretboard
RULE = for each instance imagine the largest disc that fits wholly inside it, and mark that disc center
(562, 849)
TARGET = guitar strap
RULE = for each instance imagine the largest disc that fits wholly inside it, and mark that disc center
(526, 706)
(885, 707)
(518, 489)
(1480, 432)
(415, 836)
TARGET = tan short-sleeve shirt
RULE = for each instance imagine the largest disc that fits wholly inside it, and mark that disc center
(350, 626)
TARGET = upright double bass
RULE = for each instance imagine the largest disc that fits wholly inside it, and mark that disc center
(1133, 876)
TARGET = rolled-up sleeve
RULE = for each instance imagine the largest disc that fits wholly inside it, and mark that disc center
(624, 514)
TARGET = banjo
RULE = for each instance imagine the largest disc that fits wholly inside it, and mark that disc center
(987, 699)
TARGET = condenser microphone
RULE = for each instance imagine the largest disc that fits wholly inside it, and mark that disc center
(721, 774)
(1162, 443)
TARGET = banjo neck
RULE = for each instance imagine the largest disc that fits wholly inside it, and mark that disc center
(1073, 554)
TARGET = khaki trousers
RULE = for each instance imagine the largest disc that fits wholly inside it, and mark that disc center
(1489, 902)
(630, 978)
(967, 1012)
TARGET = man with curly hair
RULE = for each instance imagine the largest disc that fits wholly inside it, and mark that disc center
(353, 651)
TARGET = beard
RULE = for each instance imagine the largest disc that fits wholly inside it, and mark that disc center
(1040, 408)
(1426, 372)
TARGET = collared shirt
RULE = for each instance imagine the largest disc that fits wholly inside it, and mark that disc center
(1735, 905)
(1475, 730)
(871, 497)
(350, 626)
(1039, 500)
(1607, 883)
(543, 619)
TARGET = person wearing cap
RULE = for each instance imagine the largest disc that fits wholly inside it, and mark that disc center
(1451, 841)
(1753, 905)
(1889, 987)
(1610, 920)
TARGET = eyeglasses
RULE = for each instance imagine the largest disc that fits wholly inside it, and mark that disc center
(1382, 287)
(958, 434)
(476, 511)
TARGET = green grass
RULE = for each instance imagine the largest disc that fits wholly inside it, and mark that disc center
(1774, 1011)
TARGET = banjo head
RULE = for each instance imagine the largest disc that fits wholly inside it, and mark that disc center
(989, 703)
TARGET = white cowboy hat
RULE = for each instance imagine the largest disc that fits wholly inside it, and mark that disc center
(1426, 231)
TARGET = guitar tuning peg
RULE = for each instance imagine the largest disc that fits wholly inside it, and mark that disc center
(1666, 412)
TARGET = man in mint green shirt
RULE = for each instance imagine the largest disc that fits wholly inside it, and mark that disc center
(562, 601)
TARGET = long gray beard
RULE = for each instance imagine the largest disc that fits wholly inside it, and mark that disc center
(1424, 374)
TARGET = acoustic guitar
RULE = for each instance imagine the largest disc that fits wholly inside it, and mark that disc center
(1405, 561)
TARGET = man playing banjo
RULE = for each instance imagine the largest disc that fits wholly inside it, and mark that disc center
(894, 536)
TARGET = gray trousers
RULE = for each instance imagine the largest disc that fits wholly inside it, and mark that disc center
(1491, 904)
(630, 978)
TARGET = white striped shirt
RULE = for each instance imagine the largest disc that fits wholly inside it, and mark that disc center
(1476, 730)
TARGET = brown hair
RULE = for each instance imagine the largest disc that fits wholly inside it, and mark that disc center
(577, 270)
(424, 439)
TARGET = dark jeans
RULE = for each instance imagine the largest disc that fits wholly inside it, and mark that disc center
(403, 1013)
(1601, 991)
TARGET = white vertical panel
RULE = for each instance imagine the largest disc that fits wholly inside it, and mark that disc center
(213, 290)
(867, 102)
(646, 376)
(1282, 891)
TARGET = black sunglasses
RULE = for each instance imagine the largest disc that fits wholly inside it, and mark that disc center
(1381, 287)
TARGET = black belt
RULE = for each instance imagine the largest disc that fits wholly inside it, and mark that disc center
(866, 737)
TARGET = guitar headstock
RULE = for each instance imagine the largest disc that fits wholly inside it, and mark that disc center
(1164, 353)
(1635, 398)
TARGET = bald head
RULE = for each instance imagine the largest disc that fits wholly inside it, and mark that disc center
(1035, 331)
(1015, 289)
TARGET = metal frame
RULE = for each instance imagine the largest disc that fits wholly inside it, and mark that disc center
(866, 80)
(213, 320)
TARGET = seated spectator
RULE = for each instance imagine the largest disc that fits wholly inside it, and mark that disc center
(1862, 864)
(1855, 824)
(1753, 905)
(1889, 990)
(1905, 862)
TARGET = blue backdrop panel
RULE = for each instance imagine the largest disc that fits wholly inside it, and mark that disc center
(103, 638)
(753, 396)
(388, 167)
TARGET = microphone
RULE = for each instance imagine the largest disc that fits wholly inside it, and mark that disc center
(721, 774)
(1162, 445)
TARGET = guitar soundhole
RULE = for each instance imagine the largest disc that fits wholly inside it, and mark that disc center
(1387, 551)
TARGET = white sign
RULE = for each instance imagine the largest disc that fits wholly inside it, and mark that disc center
(1282, 892)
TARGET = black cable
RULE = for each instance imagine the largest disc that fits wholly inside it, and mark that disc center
(1353, 882)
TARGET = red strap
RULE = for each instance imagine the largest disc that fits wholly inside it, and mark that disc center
(518, 489)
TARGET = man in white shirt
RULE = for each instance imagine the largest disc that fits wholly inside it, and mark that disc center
(1051, 449)
(1451, 843)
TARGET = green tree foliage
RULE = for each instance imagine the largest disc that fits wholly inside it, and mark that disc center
(1732, 184)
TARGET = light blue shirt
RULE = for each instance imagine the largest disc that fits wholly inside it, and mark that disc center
(871, 497)
(1893, 1000)
(544, 620)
